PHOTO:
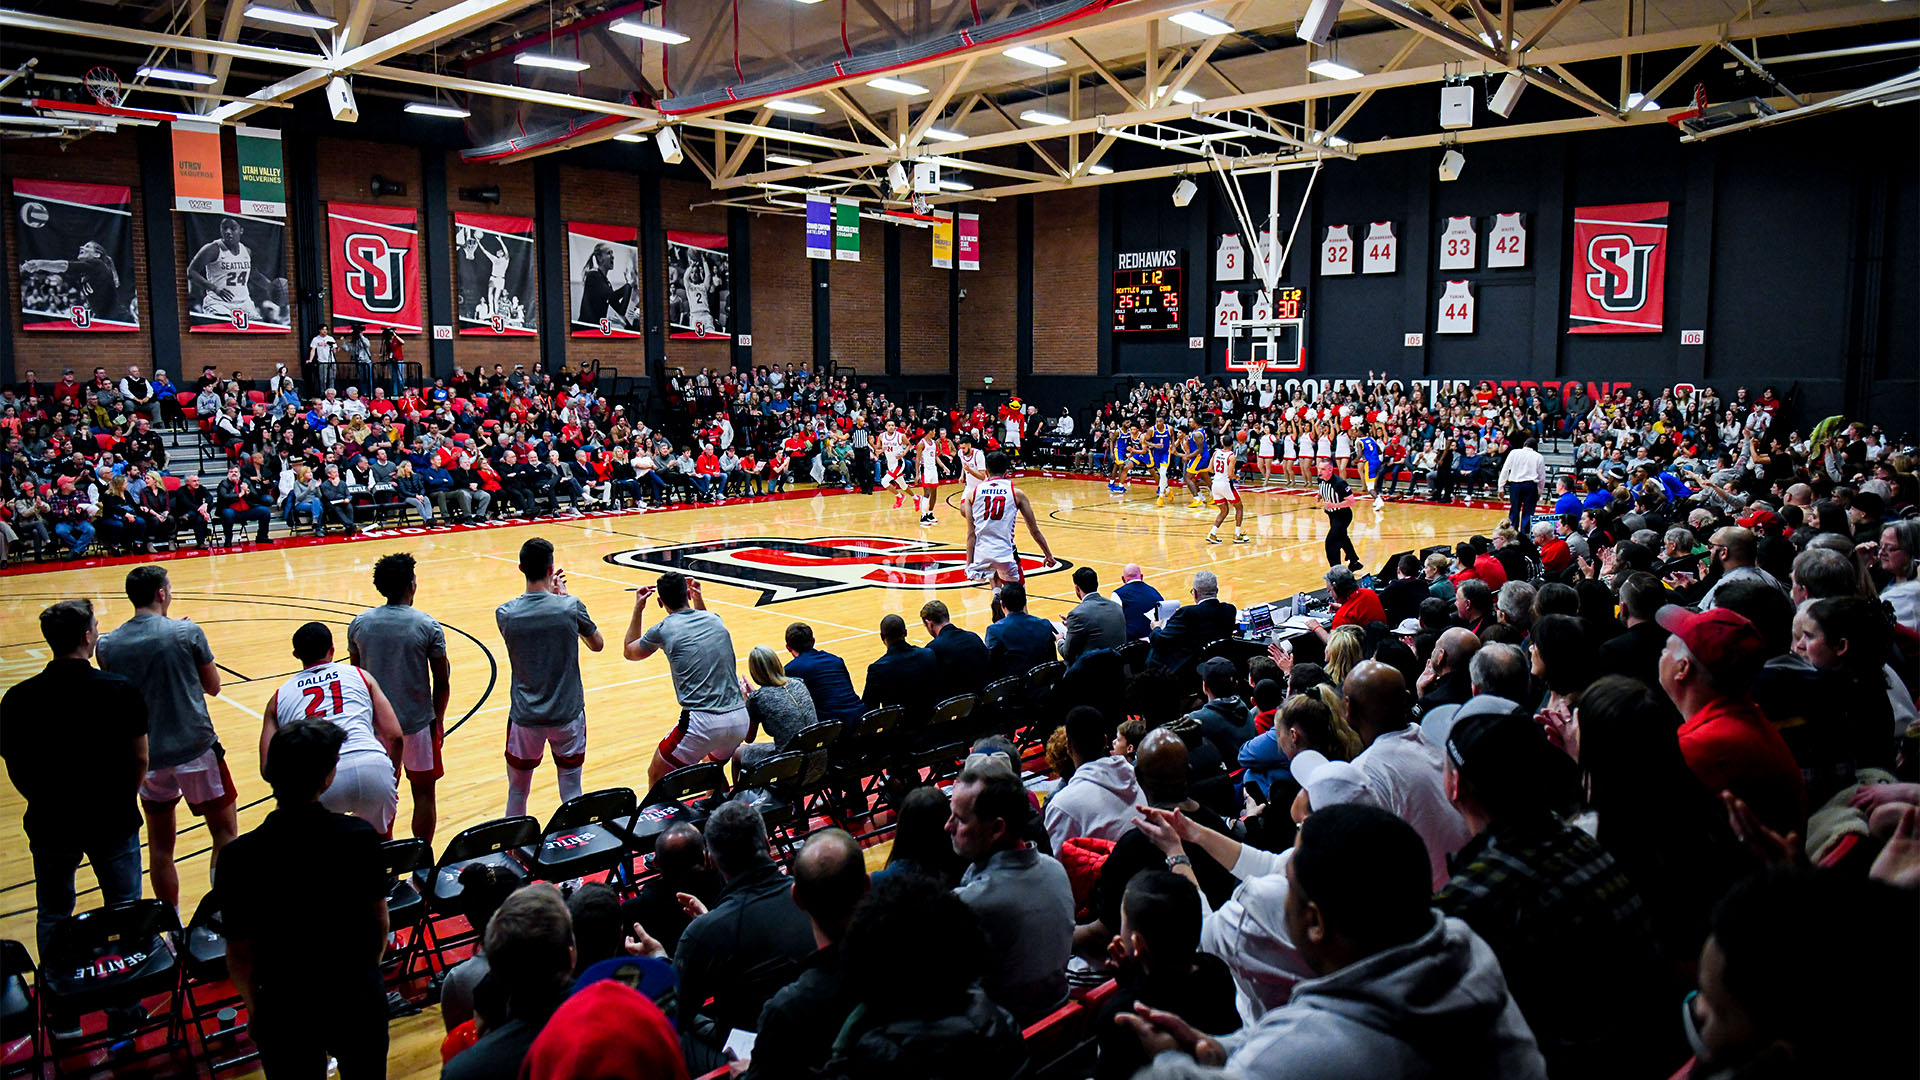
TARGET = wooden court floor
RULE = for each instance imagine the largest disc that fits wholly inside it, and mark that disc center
(250, 602)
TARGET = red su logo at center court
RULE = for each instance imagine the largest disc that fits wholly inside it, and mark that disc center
(1619, 280)
(783, 569)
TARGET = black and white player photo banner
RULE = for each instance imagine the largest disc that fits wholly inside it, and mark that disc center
(699, 287)
(75, 246)
(493, 257)
(236, 273)
(603, 273)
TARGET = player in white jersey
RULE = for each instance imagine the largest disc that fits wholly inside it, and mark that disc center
(497, 258)
(1226, 495)
(991, 556)
(224, 270)
(929, 454)
(973, 467)
(893, 448)
(366, 781)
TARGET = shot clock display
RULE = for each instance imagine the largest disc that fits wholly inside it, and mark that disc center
(1147, 290)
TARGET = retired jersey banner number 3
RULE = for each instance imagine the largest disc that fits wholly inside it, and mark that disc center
(375, 257)
(1619, 279)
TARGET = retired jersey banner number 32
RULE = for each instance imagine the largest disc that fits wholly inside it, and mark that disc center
(1619, 279)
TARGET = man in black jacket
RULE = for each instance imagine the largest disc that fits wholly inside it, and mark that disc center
(750, 945)
(240, 502)
(905, 675)
(799, 1024)
(1637, 652)
(193, 509)
(1177, 643)
(963, 658)
(1401, 598)
(1446, 681)
(518, 484)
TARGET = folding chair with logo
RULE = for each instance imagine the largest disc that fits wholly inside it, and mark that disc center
(204, 959)
(492, 842)
(580, 838)
(406, 908)
(19, 1011)
(112, 959)
(675, 799)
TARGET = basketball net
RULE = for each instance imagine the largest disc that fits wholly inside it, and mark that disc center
(104, 86)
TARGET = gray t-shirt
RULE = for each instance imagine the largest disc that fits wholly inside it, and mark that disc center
(543, 631)
(700, 654)
(163, 657)
(396, 643)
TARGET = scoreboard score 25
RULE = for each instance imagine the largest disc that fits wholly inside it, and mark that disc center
(1147, 289)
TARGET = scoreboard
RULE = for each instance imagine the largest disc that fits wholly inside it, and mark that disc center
(1147, 289)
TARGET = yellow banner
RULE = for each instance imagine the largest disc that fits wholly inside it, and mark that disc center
(943, 240)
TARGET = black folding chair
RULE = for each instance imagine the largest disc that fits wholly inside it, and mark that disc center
(1035, 726)
(998, 709)
(860, 755)
(1133, 656)
(943, 741)
(495, 842)
(814, 788)
(115, 958)
(580, 838)
(668, 803)
(406, 908)
(20, 1007)
(760, 787)
(204, 961)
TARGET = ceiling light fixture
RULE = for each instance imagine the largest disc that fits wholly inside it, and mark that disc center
(290, 18)
(630, 137)
(1332, 69)
(1201, 23)
(647, 31)
(787, 159)
(1040, 116)
(1039, 58)
(943, 135)
(550, 63)
(954, 185)
(896, 86)
(430, 108)
(194, 78)
(795, 108)
(1099, 170)
(1638, 100)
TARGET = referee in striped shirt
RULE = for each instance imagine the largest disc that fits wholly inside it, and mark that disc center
(1336, 500)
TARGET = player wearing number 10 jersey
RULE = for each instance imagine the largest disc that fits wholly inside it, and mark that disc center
(991, 555)
(365, 782)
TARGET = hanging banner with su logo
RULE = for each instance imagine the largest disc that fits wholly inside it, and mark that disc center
(75, 245)
(237, 273)
(493, 263)
(374, 252)
(1619, 280)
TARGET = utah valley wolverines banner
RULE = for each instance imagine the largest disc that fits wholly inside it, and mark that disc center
(493, 258)
(374, 252)
(699, 287)
(76, 256)
(236, 273)
(603, 265)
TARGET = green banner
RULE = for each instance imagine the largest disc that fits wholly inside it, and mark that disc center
(846, 230)
(263, 190)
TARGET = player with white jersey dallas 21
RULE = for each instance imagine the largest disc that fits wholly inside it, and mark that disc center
(366, 781)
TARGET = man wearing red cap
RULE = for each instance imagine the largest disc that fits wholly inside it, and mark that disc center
(1708, 665)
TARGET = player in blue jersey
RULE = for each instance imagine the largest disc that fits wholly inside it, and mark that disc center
(1370, 466)
(1196, 461)
(1123, 440)
(1160, 439)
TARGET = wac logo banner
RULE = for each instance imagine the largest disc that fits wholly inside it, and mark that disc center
(783, 569)
(1619, 279)
(373, 252)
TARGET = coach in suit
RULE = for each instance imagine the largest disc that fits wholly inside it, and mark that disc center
(1019, 642)
(962, 656)
(1177, 643)
(906, 675)
(825, 676)
(1095, 622)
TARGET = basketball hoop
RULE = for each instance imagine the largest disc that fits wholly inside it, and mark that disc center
(103, 85)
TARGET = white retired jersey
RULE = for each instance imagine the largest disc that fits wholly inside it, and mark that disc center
(1268, 252)
(1262, 307)
(993, 514)
(1336, 251)
(1456, 309)
(1459, 244)
(1382, 253)
(1230, 259)
(337, 693)
(1227, 312)
(1507, 243)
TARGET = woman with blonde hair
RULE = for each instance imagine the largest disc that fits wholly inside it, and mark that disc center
(777, 702)
(303, 493)
(1343, 652)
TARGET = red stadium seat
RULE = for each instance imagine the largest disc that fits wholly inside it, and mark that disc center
(171, 483)
(105, 442)
(258, 397)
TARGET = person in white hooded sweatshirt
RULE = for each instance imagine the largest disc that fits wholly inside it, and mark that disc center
(1401, 990)
(1098, 800)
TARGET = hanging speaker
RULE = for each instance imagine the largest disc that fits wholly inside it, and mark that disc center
(669, 143)
(340, 100)
(380, 187)
(1505, 98)
(489, 195)
(1317, 24)
(1451, 163)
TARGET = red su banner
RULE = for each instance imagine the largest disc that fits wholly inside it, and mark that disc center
(1619, 280)
(374, 252)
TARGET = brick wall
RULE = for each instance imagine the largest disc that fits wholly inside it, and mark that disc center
(860, 304)
(1066, 265)
(515, 182)
(989, 315)
(677, 212)
(924, 328)
(783, 291)
(97, 159)
(342, 171)
(602, 197)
